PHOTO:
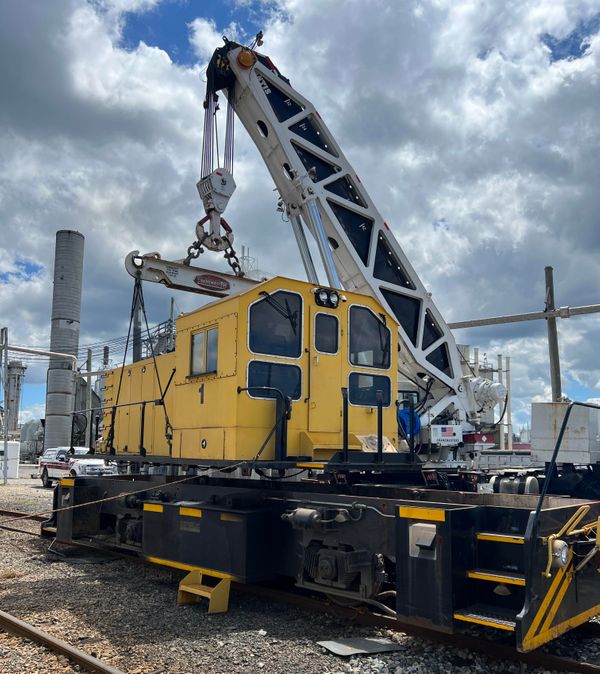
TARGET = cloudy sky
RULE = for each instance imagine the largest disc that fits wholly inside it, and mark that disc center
(474, 126)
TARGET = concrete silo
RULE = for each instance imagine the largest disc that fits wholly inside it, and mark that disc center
(16, 373)
(64, 336)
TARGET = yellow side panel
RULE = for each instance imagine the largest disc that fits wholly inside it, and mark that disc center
(139, 383)
(311, 443)
(201, 443)
(244, 443)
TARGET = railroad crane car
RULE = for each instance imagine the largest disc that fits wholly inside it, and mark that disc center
(266, 446)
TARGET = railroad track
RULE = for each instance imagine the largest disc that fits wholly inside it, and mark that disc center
(24, 630)
(15, 516)
(25, 516)
(500, 649)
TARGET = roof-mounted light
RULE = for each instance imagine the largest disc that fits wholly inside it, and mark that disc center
(326, 298)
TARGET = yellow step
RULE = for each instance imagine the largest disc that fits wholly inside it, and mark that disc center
(500, 538)
(497, 576)
(200, 590)
(191, 588)
(489, 616)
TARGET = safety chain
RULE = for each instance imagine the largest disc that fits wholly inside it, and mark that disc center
(194, 250)
(232, 259)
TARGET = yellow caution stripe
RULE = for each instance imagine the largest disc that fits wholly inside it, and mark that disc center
(190, 512)
(548, 608)
(417, 513)
(310, 465)
(190, 567)
(229, 517)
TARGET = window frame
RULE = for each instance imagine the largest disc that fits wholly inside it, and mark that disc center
(204, 330)
(339, 336)
(369, 374)
(360, 365)
(272, 362)
(274, 355)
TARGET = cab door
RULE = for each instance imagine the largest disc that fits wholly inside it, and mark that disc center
(324, 371)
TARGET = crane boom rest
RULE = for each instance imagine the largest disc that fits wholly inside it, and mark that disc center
(319, 187)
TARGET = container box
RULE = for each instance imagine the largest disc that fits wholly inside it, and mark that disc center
(580, 442)
(13, 459)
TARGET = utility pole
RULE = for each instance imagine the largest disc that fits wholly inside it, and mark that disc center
(4, 361)
(88, 396)
(509, 429)
(552, 337)
(501, 421)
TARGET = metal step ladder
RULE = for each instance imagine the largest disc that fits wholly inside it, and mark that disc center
(507, 581)
(200, 583)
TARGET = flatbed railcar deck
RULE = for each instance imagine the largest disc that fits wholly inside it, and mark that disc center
(430, 558)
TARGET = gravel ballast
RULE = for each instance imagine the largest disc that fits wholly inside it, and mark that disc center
(126, 614)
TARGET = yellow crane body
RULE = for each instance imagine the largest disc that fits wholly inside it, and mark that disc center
(284, 334)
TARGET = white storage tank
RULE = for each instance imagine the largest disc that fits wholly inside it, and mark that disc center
(13, 459)
(580, 442)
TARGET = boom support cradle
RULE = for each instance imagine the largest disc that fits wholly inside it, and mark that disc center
(180, 276)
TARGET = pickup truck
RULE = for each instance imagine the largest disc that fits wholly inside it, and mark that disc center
(58, 462)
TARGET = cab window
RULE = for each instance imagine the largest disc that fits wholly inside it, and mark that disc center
(408, 398)
(362, 389)
(369, 339)
(276, 325)
(326, 333)
(204, 351)
(285, 378)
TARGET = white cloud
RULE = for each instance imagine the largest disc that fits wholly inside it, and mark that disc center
(451, 113)
(31, 412)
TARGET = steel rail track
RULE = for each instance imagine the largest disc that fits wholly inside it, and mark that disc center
(22, 629)
(500, 649)
(24, 516)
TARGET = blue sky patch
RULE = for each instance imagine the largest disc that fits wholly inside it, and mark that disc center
(575, 44)
(25, 270)
(166, 26)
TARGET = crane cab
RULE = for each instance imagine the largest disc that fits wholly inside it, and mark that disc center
(237, 357)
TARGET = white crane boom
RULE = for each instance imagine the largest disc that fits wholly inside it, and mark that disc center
(359, 251)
